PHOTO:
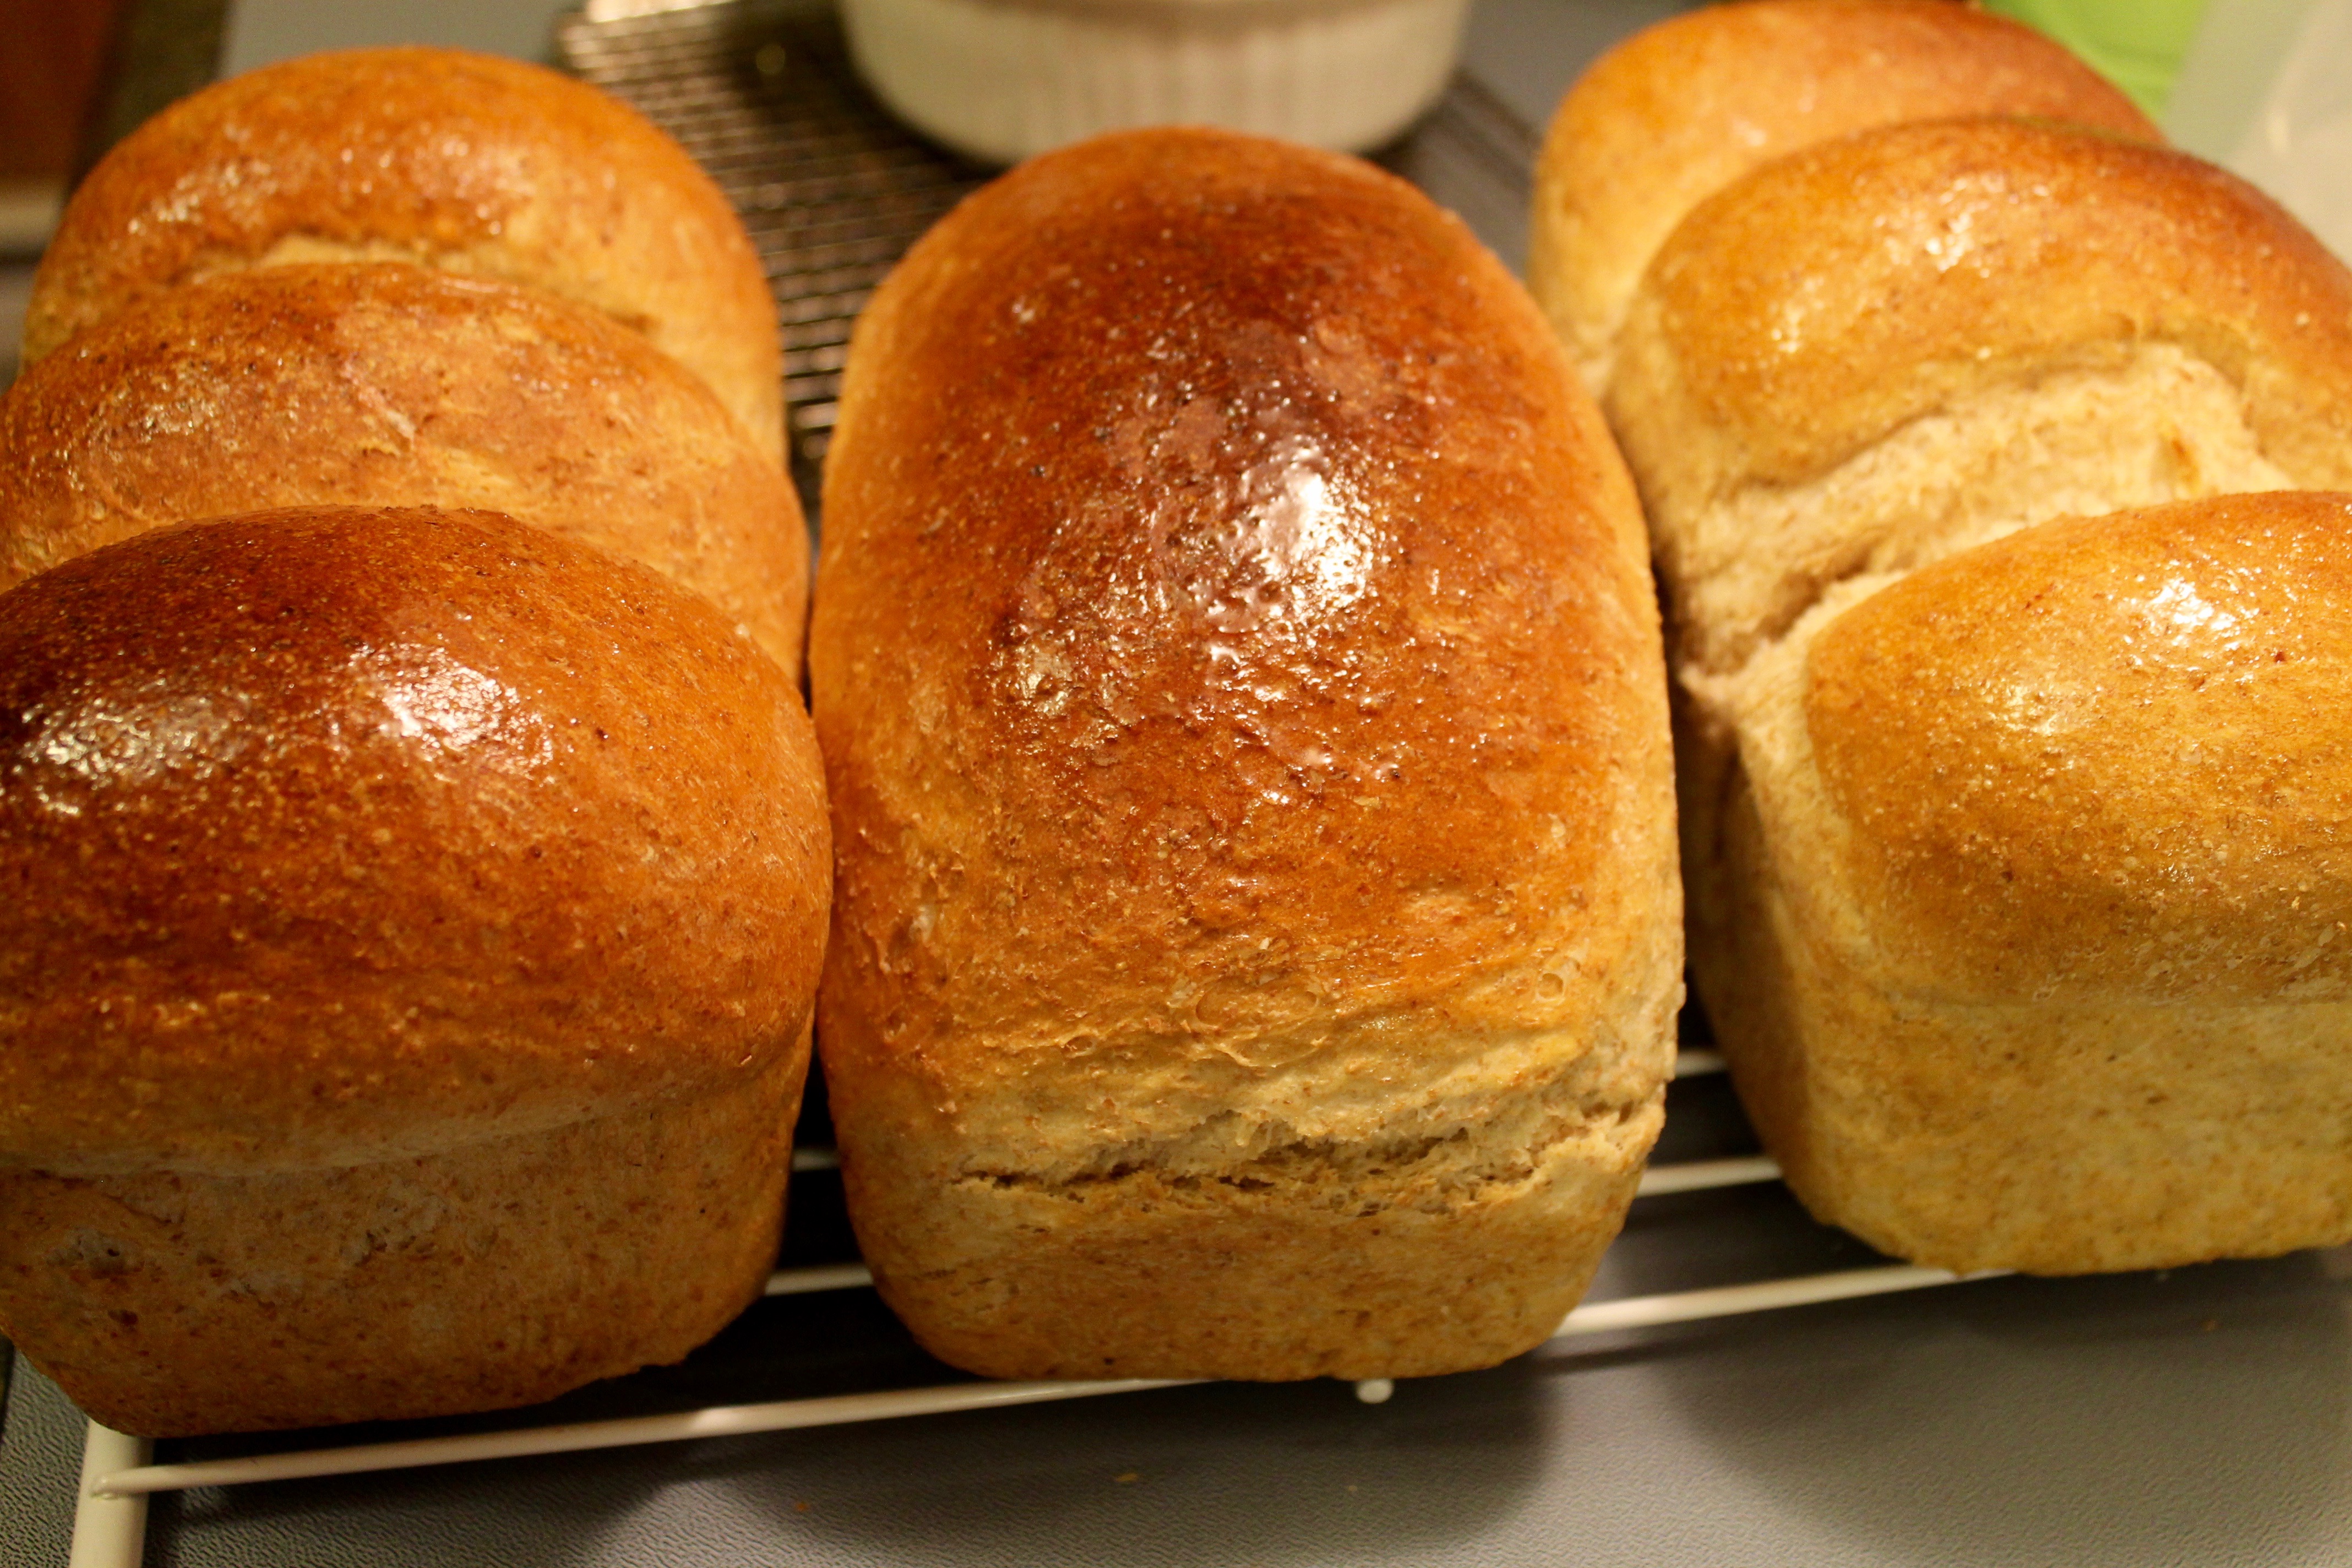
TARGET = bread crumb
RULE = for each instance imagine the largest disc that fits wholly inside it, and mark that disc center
(1129, 1477)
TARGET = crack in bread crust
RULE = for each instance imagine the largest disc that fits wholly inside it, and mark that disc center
(1431, 1171)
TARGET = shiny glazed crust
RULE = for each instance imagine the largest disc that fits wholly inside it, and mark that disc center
(1256, 946)
(1682, 110)
(336, 836)
(387, 384)
(468, 163)
(2025, 924)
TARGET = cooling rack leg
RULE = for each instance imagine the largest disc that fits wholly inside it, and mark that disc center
(110, 1531)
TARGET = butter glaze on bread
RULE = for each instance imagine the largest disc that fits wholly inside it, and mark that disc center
(2028, 923)
(409, 925)
(1236, 666)
(1684, 108)
(386, 385)
(2007, 798)
(2149, 800)
(468, 163)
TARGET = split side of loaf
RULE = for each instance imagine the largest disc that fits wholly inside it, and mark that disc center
(1258, 941)
(1901, 350)
(409, 927)
(1881, 349)
(1684, 108)
(468, 163)
(2027, 924)
(387, 384)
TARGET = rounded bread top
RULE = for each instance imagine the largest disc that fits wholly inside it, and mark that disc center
(333, 836)
(1833, 296)
(465, 162)
(389, 385)
(1684, 108)
(1230, 616)
(2103, 757)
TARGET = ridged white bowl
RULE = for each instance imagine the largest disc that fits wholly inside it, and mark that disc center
(1001, 80)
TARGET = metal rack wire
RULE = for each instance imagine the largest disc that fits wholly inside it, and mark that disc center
(833, 192)
(831, 188)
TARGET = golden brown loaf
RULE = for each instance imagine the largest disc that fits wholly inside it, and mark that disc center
(388, 384)
(410, 927)
(468, 163)
(2024, 921)
(1682, 110)
(2006, 810)
(1236, 666)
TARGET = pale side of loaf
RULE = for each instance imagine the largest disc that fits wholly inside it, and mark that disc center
(1258, 937)
(1684, 108)
(171, 1303)
(387, 384)
(468, 163)
(2028, 917)
(398, 905)
(1958, 915)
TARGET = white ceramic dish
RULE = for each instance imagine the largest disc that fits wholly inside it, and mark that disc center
(1001, 81)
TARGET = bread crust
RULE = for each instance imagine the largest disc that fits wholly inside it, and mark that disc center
(1234, 655)
(2024, 916)
(2009, 888)
(504, 1272)
(470, 162)
(337, 836)
(387, 384)
(1683, 109)
(2094, 759)
(1834, 301)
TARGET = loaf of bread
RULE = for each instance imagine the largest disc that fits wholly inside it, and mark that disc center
(2012, 811)
(1683, 109)
(1257, 941)
(411, 927)
(467, 162)
(386, 385)
(2027, 922)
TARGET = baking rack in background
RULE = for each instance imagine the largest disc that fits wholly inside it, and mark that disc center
(833, 192)
(831, 188)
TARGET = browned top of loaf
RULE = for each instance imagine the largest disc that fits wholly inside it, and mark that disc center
(389, 385)
(333, 835)
(2105, 755)
(1682, 108)
(1230, 616)
(467, 161)
(1830, 297)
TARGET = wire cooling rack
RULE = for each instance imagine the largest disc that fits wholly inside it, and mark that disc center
(833, 192)
(831, 188)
